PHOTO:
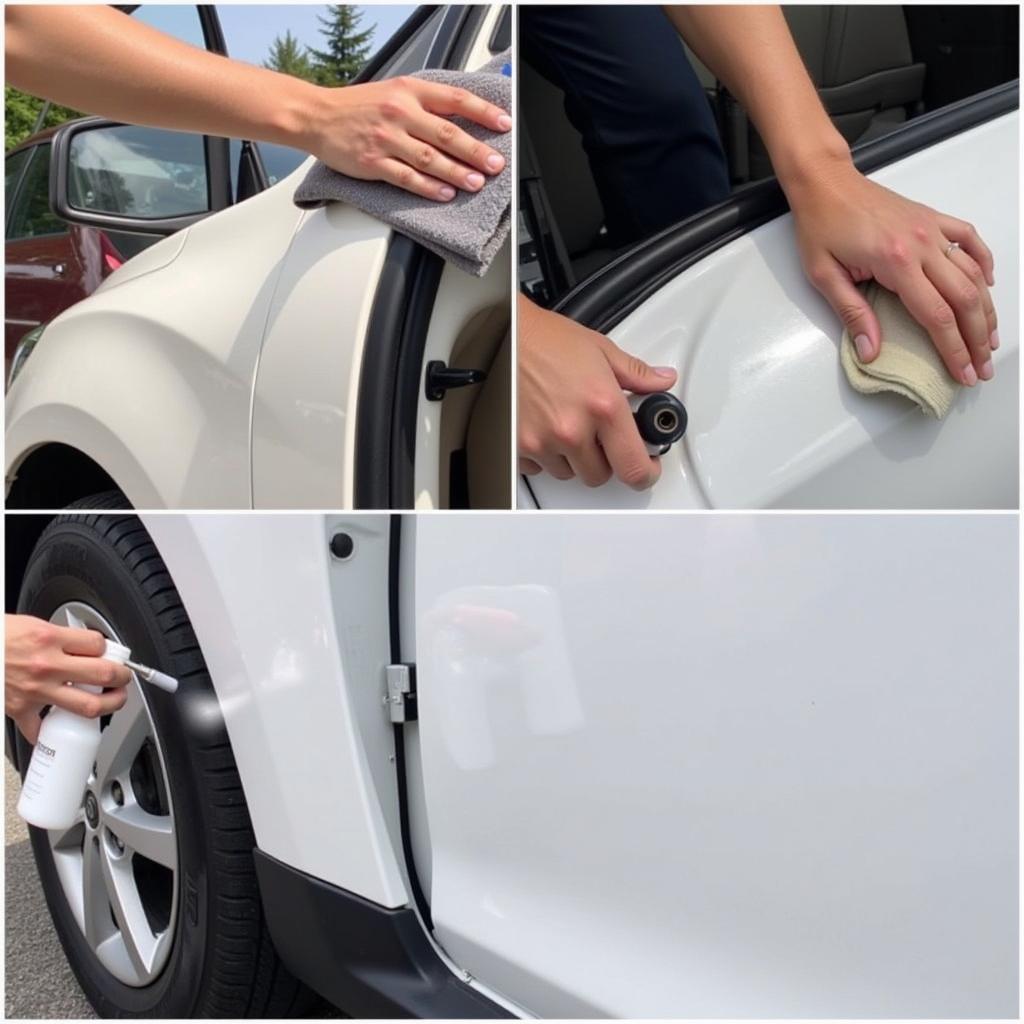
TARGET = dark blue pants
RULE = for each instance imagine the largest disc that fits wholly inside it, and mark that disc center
(630, 92)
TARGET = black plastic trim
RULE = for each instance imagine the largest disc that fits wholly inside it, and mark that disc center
(501, 37)
(392, 368)
(369, 961)
(213, 34)
(606, 297)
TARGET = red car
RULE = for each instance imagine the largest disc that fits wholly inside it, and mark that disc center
(49, 264)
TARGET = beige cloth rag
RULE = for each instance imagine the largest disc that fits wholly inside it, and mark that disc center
(908, 362)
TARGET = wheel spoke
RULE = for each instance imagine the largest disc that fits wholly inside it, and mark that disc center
(150, 835)
(95, 901)
(69, 838)
(123, 737)
(139, 942)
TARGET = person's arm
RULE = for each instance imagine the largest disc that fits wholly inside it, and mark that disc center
(848, 228)
(40, 658)
(113, 65)
(573, 418)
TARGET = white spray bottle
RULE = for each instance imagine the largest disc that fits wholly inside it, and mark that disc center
(51, 794)
(65, 752)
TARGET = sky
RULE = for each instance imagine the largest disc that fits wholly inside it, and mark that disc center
(249, 29)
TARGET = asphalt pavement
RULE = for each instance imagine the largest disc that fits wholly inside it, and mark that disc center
(39, 984)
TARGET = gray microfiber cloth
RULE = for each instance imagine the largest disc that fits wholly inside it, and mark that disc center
(908, 362)
(467, 230)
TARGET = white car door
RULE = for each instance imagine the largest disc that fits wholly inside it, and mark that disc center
(340, 417)
(772, 420)
(719, 766)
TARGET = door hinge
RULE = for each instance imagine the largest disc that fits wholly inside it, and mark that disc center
(400, 699)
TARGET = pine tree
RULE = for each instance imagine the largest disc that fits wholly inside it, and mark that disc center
(288, 56)
(347, 46)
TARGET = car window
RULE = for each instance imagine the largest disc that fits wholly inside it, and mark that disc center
(178, 20)
(13, 166)
(31, 216)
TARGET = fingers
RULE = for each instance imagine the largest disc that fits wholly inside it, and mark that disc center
(936, 315)
(91, 671)
(86, 642)
(81, 702)
(450, 101)
(528, 467)
(632, 373)
(401, 175)
(836, 285)
(970, 241)
(971, 269)
(968, 303)
(449, 138)
(428, 161)
(557, 465)
(589, 464)
(626, 452)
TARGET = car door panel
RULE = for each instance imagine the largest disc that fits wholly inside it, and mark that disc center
(721, 766)
(773, 422)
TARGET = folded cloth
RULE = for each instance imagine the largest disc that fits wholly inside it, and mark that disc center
(908, 362)
(467, 230)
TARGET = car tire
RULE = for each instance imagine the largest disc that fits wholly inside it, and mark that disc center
(221, 961)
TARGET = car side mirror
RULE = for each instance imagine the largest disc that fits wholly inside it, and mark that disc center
(126, 178)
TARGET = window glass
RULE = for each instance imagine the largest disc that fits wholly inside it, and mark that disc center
(13, 166)
(138, 172)
(178, 20)
(31, 216)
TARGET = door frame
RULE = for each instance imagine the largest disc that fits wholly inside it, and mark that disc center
(392, 365)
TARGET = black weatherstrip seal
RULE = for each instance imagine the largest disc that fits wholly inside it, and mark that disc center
(392, 364)
(613, 292)
(370, 961)
(401, 769)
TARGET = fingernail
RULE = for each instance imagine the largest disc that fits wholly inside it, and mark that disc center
(504, 122)
(863, 345)
(970, 378)
(986, 370)
(447, 192)
(993, 340)
(664, 371)
(475, 180)
(495, 161)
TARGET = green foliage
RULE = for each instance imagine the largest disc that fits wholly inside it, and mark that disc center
(347, 46)
(288, 56)
(21, 112)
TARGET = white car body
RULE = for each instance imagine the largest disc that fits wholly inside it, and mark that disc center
(220, 368)
(773, 422)
(720, 766)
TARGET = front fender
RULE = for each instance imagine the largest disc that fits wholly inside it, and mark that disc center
(163, 418)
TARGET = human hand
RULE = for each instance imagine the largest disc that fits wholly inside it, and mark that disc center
(574, 419)
(40, 659)
(850, 229)
(398, 131)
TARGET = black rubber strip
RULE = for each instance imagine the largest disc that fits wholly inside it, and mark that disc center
(611, 293)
